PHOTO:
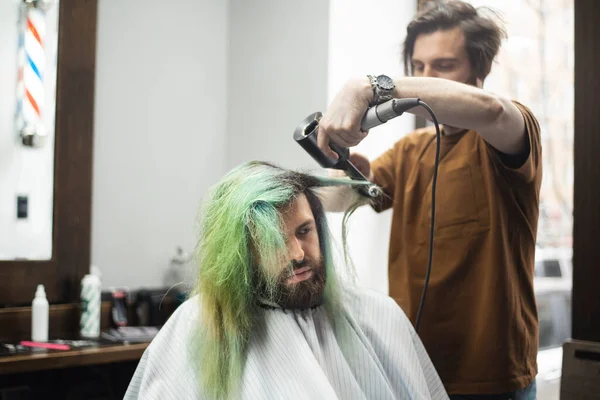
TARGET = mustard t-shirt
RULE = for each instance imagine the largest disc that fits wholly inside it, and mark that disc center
(479, 322)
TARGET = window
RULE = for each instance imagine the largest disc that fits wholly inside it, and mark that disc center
(552, 269)
(554, 313)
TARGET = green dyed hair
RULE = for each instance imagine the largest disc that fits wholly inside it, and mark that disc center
(241, 223)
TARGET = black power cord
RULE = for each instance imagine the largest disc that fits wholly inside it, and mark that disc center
(306, 136)
(433, 187)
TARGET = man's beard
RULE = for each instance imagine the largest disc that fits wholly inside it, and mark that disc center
(301, 295)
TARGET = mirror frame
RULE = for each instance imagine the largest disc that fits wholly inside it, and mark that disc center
(73, 151)
(585, 303)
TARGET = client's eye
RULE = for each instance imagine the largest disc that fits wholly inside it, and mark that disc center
(304, 231)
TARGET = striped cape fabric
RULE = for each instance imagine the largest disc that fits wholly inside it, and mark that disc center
(294, 354)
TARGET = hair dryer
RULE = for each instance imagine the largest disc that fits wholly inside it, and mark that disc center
(307, 131)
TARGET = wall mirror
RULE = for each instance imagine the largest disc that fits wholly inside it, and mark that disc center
(29, 31)
(45, 146)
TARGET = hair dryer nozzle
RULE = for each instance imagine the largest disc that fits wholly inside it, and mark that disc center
(306, 136)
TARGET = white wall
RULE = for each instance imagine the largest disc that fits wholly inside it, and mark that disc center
(159, 134)
(186, 90)
(23, 170)
(277, 76)
(365, 37)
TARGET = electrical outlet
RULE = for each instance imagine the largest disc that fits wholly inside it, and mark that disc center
(22, 207)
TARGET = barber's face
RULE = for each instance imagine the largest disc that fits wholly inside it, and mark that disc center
(301, 282)
(442, 54)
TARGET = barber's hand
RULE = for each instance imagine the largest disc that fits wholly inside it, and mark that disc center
(361, 163)
(341, 122)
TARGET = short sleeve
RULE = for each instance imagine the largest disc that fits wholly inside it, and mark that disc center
(532, 166)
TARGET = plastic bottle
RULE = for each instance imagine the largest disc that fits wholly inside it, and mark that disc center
(91, 288)
(39, 316)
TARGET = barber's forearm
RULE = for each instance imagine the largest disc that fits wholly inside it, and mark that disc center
(497, 120)
(455, 104)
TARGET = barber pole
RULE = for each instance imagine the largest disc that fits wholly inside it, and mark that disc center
(20, 120)
(32, 62)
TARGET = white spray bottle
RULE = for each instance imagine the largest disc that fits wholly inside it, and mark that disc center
(39, 316)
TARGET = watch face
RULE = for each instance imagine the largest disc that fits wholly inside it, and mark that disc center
(385, 82)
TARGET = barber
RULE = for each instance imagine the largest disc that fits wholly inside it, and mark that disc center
(479, 323)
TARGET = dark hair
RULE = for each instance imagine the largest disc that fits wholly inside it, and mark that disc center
(302, 183)
(483, 34)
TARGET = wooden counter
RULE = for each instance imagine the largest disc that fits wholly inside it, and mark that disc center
(53, 359)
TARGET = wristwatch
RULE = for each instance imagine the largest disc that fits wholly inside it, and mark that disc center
(383, 88)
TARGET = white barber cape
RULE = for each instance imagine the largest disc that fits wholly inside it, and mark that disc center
(295, 355)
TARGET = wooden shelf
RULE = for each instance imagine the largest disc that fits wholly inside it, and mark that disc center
(71, 358)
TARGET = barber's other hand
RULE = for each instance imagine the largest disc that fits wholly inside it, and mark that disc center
(361, 163)
(341, 122)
